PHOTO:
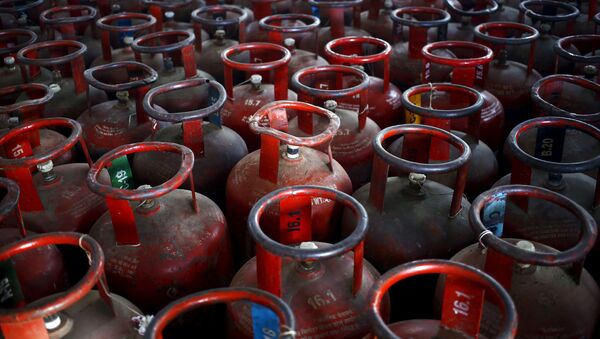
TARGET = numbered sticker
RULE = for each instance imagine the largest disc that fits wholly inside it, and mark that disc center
(265, 323)
(493, 214)
(120, 173)
(550, 143)
(10, 288)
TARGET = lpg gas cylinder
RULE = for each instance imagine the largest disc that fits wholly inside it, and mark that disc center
(384, 98)
(122, 121)
(216, 148)
(468, 17)
(67, 82)
(377, 21)
(264, 306)
(246, 98)
(348, 86)
(73, 22)
(465, 290)
(169, 242)
(22, 13)
(510, 81)
(560, 15)
(408, 216)
(276, 165)
(584, 24)
(555, 297)
(262, 9)
(78, 312)
(507, 13)
(585, 57)
(439, 105)
(406, 62)
(172, 15)
(54, 198)
(468, 69)
(326, 285)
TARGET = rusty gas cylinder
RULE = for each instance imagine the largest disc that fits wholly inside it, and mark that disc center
(216, 148)
(169, 242)
(284, 160)
(377, 21)
(73, 22)
(554, 295)
(468, 69)
(560, 15)
(246, 98)
(585, 57)
(325, 284)
(510, 81)
(384, 97)
(344, 91)
(56, 197)
(468, 18)
(67, 80)
(264, 305)
(465, 291)
(28, 109)
(78, 312)
(409, 218)
(122, 121)
(406, 62)
(439, 104)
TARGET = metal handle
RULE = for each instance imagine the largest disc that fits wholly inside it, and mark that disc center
(572, 14)
(150, 75)
(218, 296)
(456, 7)
(269, 252)
(168, 4)
(41, 91)
(417, 29)
(204, 16)
(335, 12)
(461, 282)
(562, 46)
(105, 25)
(17, 9)
(555, 81)
(46, 17)
(153, 43)
(465, 71)
(12, 34)
(334, 3)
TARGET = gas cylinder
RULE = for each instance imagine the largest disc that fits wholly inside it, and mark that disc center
(246, 98)
(173, 242)
(560, 15)
(468, 69)
(73, 22)
(334, 11)
(264, 305)
(344, 91)
(262, 9)
(584, 23)
(406, 62)
(22, 14)
(225, 22)
(468, 18)
(67, 83)
(31, 108)
(507, 13)
(216, 148)
(465, 290)
(122, 121)
(325, 285)
(55, 198)
(377, 21)
(419, 3)
(277, 165)
(80, 311)
(587, 46)
(554, 296)
(173, 15)
(409, 218)
(384, 98)
(439, 104)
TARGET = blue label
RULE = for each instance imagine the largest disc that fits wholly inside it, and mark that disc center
(265, 323)
(493, 214)
(124, 22)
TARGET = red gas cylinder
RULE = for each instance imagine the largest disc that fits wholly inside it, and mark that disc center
(560, 15)
(326, 285)
(246, 98)
(23, 14)
(54, 198)
(173, 15)
(170, 243)
(384, 98)
(67, 81)
(377, 20)
(122, 121)
(452, 102)
(78, 312)
(468, 69)
(262, 9)
(585, 58)
(216, 148)
(342, 90)
(406, 62)
(409, 218)
(31, 108)
(73, 22)
(465, 290)
(277, 165)
(261, 303)
(554, 296)
(468, 18)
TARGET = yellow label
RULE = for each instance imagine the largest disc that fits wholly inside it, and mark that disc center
(410, 117)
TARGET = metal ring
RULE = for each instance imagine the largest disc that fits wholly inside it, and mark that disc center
(335, 3)
(23, 58)
(551, 109)
(242, 15)
(46, 18)
(453, 6)
(156, 36)
(572, 15)
(104, 23)
(561, 48)
(358, 59)
(475, 107)
(19, 9)
(256, 46)
(330, 93)
(444, 17)
(151, 75)
(5, 34)
(486, 58)
(10, 201)
(17, 106)
(263, 23)
(481, 31)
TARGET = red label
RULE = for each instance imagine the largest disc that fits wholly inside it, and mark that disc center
(295, 220)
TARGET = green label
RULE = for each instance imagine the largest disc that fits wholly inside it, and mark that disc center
(10, 288)
(120, 174)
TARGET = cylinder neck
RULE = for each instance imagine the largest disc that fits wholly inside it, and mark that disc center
(292, 152)
(47, 171)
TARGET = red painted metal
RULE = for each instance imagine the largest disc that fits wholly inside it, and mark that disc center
(273, 167)
(57, 200)
(245, 99)
(83, 312)
(465, 289)
(584, 23)
(117, 122)
(173, 242)
(262, 9)
(326, 285)
(384, 98)
(554, 295)
(348, 87)
(462, 29)
(216, 148)
(587, 47)
(175, 309)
